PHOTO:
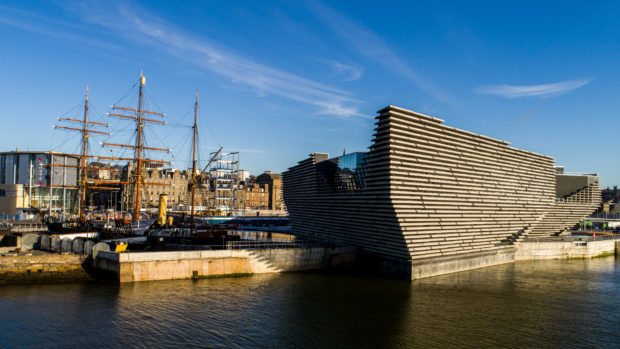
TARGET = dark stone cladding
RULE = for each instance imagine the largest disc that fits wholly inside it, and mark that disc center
(435, 191)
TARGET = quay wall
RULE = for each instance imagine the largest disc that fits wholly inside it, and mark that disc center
(565, 249)
(523, 251)
(448, 265)
(24, 269)
(169, 265)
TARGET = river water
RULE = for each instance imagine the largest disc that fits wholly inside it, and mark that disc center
(527, 304)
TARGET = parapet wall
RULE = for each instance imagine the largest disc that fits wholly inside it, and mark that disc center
(145, 266)
(534, 250)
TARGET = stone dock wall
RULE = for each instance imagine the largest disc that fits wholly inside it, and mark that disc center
(523, 251)
(63, 261)
(48, 268)
(145, 266)
(168, 265)
(536, 250)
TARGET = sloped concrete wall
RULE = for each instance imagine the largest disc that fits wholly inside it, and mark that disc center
(448, 265)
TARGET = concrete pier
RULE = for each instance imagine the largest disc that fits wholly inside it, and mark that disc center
(169, 265)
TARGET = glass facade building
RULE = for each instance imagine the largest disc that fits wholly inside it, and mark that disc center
(49, 185)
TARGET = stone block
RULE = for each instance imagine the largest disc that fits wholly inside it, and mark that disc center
(78, 246)
(101, 246)
(88, 247)
(45, 242)
(56, 244)
(29, 242)
(66, 245)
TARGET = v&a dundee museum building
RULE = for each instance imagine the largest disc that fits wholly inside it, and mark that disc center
(429, 199)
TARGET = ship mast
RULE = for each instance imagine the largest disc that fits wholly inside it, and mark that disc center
(138, 159)
(139, 125)
(82, 182)
(194, 179)
(83, 161)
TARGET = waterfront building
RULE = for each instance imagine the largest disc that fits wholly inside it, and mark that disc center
(273, 181)
(428, 199)
(159, 180)
(255, 196)
(263, 192)
(40, 179)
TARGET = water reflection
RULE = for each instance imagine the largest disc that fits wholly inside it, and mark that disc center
(528, 304)
(531, 304)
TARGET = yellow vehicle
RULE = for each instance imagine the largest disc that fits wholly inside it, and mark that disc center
(120, 246)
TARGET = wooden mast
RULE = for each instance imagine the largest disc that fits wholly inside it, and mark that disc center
(138, 175)
(83, 161)
(138, 159)
(82, 182)
(193, 225)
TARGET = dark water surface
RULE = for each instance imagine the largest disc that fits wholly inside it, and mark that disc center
(528, 304)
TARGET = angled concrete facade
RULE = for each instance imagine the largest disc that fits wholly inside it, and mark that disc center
(428, 195)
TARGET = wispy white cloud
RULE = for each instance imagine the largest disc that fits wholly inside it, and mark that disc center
(545, 90)
(346, 71)
(368, 43)
(42, 25)
(208, 54)
(247, 150)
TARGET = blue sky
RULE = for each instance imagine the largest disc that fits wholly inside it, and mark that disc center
(281, 79)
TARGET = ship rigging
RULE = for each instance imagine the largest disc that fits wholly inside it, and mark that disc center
(135, 180)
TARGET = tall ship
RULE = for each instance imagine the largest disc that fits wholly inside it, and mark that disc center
(136, 182)
(130, 184)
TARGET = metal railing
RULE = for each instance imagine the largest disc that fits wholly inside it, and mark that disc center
(605, 216)
(571, 238)
(261, 245)
(22, 227)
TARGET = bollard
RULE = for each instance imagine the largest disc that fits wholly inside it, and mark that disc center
(66, 245)
(29, 242)
(101, 246)
(56, 244)
(46, 242)
(88, 246)
(78, 246)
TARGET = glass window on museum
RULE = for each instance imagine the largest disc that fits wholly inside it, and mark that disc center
(344, 173)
